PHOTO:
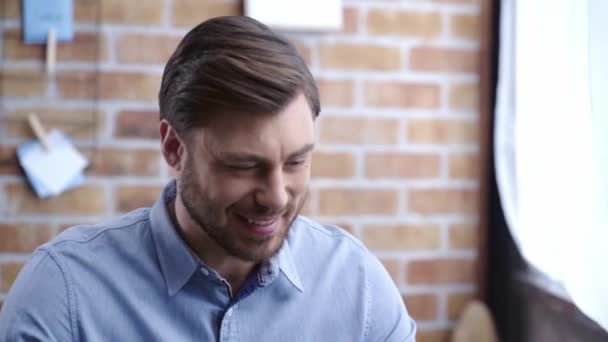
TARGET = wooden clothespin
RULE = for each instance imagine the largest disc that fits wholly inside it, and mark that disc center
(38, 130)
(51, 51)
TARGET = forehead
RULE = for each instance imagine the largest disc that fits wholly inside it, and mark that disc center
(270, 135)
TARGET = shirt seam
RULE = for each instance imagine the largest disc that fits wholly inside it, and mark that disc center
(96, 235)
(72, 300)
(368, 302)
(338, 235)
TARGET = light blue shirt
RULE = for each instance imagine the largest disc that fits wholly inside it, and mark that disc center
(134, 279)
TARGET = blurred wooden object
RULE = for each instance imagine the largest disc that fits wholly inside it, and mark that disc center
(475, 325)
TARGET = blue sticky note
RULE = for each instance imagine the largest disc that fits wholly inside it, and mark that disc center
(41, 15)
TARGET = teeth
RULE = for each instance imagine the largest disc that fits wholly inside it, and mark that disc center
(260, 222)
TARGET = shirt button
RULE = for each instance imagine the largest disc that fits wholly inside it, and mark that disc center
(229, 312)
(204, 271)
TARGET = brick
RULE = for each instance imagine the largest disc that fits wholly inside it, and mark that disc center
(422, 307)
(131, 12)
(336, 92)
(24, 237)
(443, 60)
(14, 48)
(83, 200)
(465, 26)
(456, 304)
(86, 46)
(144, 48)
(119, 162)
(362, 130)
(401, 237)
(443, 131)
(350, 20)
(83, 123)
(440, 271)
(137, 124)
(333, 165)
(401, 165)
(130, 86)
(433, 335)
(78, 84)
(130, 197)
(88, 10)
(10, 9)
(463, 235)
(359, 56)
(443, 201)
(22, 83)
(464, 165)
(399, 94)
(110, 85)
(404, 23)
(464, 96)
(358, 202)
(9, 164)
(10, 270)
(193, 12)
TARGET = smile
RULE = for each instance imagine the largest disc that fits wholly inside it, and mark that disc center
(260, 226)
(261, 221)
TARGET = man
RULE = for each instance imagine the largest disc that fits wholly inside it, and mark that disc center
(223, 254)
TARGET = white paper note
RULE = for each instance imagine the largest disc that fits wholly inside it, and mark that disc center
(54, 171)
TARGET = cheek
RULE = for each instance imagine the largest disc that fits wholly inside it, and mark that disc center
(230, 190)
(298, 184)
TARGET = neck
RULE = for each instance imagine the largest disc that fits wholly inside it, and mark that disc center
(234, 270)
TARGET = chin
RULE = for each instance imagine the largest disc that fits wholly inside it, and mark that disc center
(258, 249)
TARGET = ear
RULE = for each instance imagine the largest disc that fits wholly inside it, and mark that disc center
(172, 146)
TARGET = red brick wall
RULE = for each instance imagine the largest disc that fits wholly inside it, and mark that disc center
(397, 158)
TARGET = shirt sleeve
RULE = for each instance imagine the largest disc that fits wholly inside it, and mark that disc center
(388, 319)
(37, 308)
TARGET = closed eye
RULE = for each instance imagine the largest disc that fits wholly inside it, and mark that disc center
(242, 167)
(295, 163)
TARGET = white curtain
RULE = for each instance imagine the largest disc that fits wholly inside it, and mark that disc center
(551, 141)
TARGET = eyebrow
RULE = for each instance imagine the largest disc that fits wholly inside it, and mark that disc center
(250, 157)
(302, 151)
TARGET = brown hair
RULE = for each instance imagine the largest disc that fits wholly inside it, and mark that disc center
(232, 64)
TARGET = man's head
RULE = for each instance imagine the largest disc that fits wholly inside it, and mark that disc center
(237, 105)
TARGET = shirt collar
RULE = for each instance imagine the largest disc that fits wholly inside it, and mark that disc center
(178, 263)
(284, 262)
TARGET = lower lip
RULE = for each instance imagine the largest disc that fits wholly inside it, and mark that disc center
(260, 230)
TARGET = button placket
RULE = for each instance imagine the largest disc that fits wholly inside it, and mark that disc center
(228, 325)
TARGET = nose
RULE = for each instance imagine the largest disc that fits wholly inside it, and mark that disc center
(273, 193)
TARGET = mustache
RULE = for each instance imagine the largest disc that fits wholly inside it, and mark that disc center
(261, 210)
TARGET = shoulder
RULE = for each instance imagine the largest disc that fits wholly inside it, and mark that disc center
(104, 251)
(331, 255)
(328, 246)
(307, 230)
(117, 229)
(39, 304)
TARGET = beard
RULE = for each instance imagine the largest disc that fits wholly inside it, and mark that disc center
(214, 219)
